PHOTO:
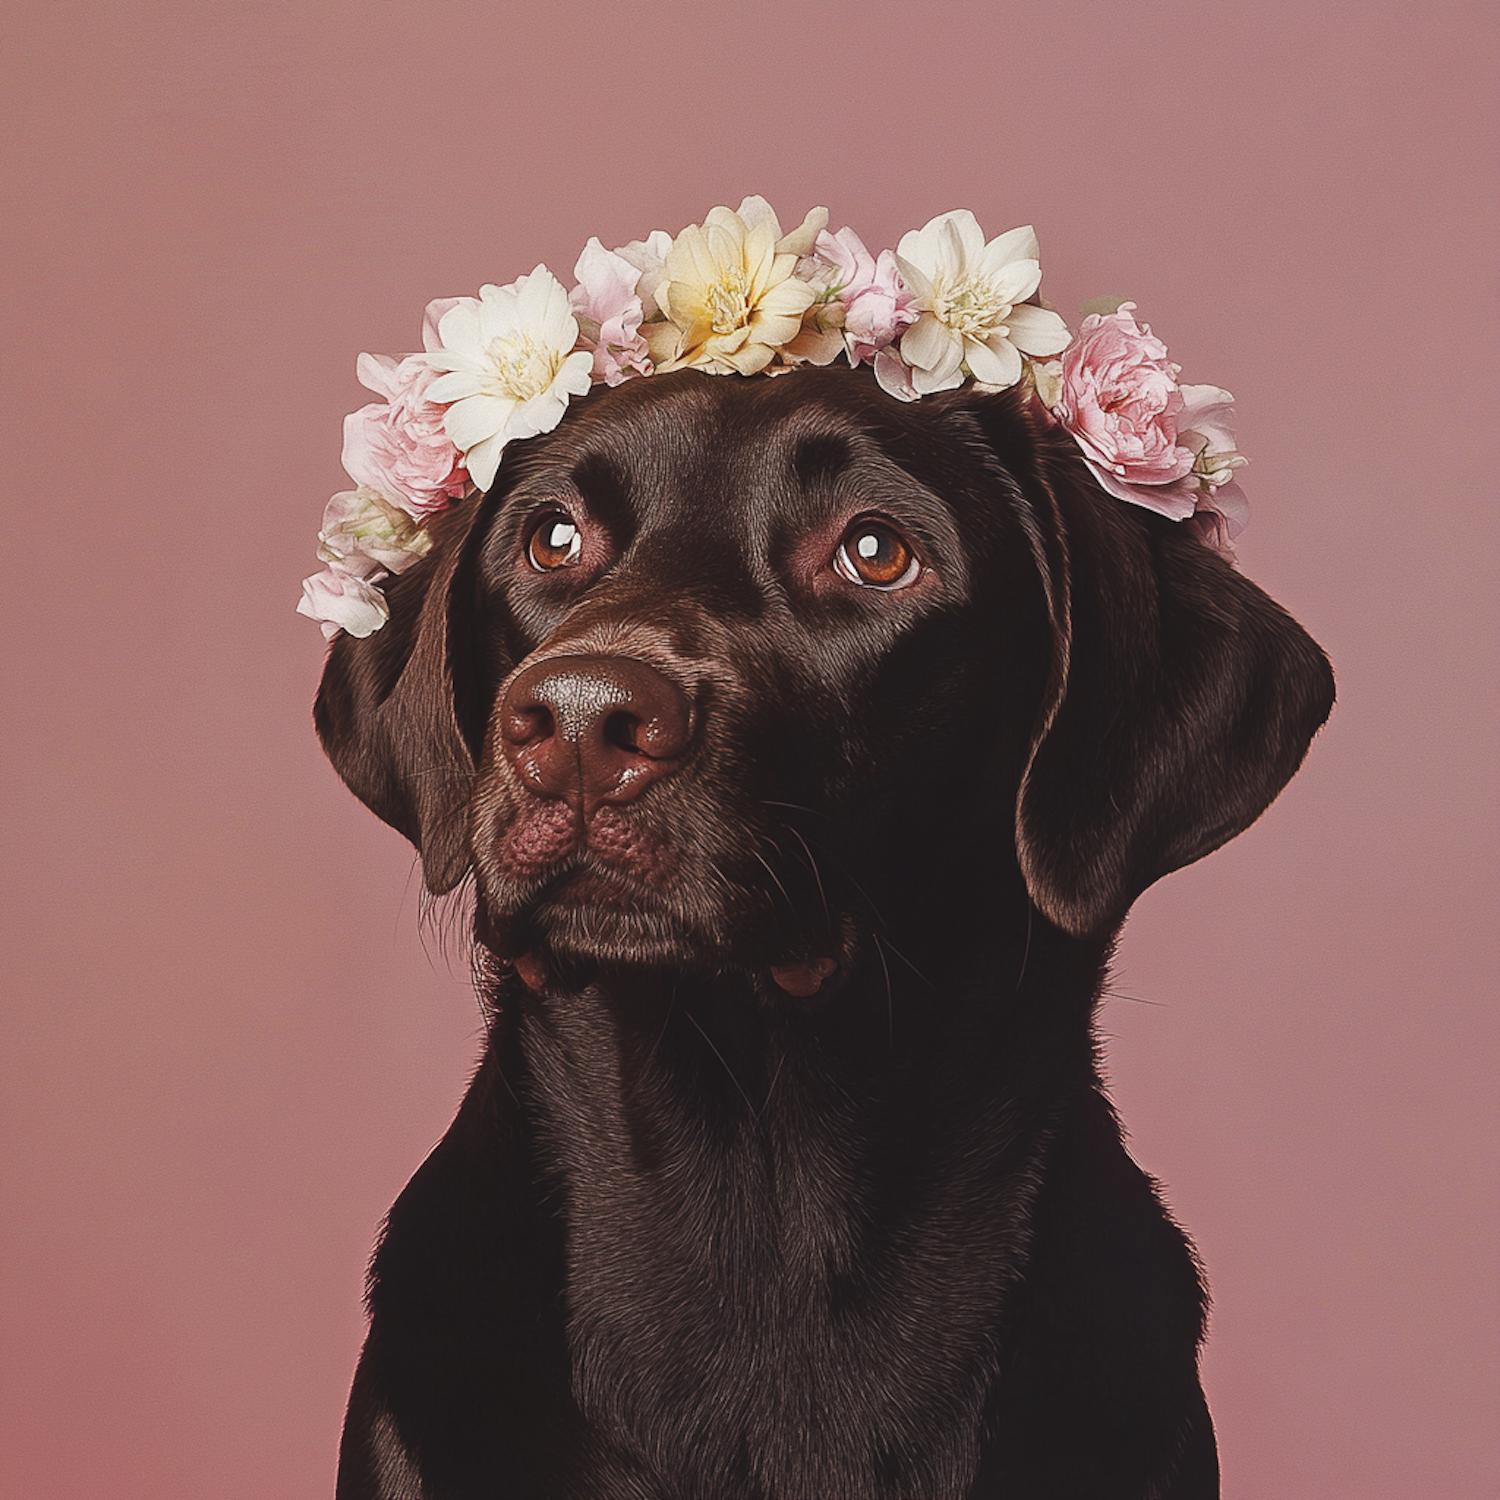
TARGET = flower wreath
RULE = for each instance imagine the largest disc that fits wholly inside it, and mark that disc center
(734, 295)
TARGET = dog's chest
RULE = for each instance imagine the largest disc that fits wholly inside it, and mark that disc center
(758, 1304)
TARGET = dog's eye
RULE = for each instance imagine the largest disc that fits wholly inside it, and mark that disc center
(875, 555)
(555, 542)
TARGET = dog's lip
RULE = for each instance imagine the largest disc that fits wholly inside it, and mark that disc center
(532, 970)
(803, 979)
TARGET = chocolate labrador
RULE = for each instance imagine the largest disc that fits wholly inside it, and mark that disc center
(807, 750)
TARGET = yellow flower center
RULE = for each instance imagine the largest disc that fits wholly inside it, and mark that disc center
(520, 367)
(969, 307)
(728, 300)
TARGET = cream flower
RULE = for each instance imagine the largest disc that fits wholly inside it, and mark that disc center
(511, 367)
(971, 299)
(364, 533)
(730, 293)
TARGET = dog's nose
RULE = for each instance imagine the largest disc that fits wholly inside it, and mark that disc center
(592, 729)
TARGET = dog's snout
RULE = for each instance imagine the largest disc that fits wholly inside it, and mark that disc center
(592, 729)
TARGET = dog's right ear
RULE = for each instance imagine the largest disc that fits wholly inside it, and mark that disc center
(388, 715)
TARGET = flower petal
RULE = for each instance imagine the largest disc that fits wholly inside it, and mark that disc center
(1037, 330)
(475, 418)
(800, 241)
(1016, 281)
(454, 386)
(928, 345)
(1176, 501)
(377, 372)
(894, 375)
(755, 210)
(916, 279)
(458, 328)
(1230, 502)
(339, 600)
(433, 315)
(995, 361)
(483, 460)
(1014, 244)
(1208, 410)
(928, 382)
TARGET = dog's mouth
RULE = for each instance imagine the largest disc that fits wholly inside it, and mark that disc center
(563, 897)
(803, 979)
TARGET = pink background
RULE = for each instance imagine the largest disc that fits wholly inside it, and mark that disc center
(226, 1043)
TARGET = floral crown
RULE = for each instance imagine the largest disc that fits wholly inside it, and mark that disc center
(736, 296)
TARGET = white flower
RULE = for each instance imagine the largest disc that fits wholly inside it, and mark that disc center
(1047, 377)
(511, 367)
(971, 299)
(1203, 427)
(341, 601)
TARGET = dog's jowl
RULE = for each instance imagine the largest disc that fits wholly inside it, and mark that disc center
(805, 749)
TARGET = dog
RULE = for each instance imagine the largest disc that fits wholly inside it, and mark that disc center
(805, 749)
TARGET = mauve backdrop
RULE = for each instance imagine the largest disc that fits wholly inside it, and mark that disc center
(226, 1044)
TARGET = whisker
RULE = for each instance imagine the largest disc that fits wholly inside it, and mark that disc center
(775, 1079)
(448, 919)
(909, 964)
(812, 812)
(890, 999)
(735, 1081)
(812, 864)
(840, 866)
(661, 1035)
(1110, 994)
(860, 891)
(1026, 951)
(766, 865)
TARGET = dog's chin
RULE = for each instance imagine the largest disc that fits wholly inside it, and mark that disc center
(588, 922)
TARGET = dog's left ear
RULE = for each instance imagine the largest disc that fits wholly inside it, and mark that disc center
(388, 710)
(1181, 700)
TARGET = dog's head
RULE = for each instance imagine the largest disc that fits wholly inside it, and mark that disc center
(722, 665)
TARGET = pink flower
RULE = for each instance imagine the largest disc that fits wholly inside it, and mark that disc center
(877, 303)
(1149, 440)
(1121, 402)
(609, 313)
(341, 601)
(399, 447)
(364, 539)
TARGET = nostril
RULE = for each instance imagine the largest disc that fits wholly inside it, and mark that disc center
(522, 723)
(623, 731)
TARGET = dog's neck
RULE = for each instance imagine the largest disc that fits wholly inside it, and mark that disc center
(741, 1171)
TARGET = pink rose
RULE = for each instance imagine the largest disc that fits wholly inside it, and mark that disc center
(399, 447)
(877, 303)
(609, 313)
(1121, 402)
